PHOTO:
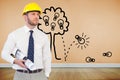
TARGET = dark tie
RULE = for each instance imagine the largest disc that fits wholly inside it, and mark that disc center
(31, 47)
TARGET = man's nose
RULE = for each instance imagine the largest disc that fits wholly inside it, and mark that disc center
(37, 16)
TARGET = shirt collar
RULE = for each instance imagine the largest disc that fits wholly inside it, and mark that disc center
(28, 29)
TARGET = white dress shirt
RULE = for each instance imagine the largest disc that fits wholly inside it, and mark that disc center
(19, 39)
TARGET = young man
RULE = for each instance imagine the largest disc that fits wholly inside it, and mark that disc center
(33, 44)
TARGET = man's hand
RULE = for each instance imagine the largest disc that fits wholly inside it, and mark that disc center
(20, 62)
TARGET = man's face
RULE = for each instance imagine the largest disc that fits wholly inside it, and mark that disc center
(32, 18)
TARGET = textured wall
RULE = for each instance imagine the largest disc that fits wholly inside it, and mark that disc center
(93, 28)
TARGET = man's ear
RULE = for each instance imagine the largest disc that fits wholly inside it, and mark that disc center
(25, 17)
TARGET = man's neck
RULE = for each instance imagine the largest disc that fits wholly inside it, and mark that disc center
(30, 26)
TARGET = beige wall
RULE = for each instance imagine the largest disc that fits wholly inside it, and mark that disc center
(97, 19)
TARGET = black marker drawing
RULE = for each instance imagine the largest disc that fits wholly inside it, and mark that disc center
(53, 21)
(89, 59)
(107, 54)
(65, 57)
(66, 50)
(46, 20)
(82, 41)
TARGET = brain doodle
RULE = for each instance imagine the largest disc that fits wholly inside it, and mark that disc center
(54, 22)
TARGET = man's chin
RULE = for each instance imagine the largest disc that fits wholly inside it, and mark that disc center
(34, 24)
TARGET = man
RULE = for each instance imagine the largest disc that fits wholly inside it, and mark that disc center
(33, 44)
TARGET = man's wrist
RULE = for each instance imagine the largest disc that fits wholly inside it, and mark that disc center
(14, 61)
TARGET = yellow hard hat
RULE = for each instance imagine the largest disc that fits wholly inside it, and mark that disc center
(32, 7)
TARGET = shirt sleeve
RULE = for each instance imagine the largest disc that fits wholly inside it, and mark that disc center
(47, 57)
(8, 48)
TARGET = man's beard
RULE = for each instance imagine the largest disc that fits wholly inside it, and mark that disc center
(31, 23)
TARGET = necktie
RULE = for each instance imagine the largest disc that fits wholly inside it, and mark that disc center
(31, 47)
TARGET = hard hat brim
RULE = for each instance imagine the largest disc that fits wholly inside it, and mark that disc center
(31, 11)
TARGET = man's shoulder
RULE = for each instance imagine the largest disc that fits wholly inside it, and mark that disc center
(41, 32)
(17, 31)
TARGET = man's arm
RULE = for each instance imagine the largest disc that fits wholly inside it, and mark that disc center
(47, 57)
(8, 48)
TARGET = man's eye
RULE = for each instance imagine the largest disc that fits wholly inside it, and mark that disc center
(38, 14)
(33, 14)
